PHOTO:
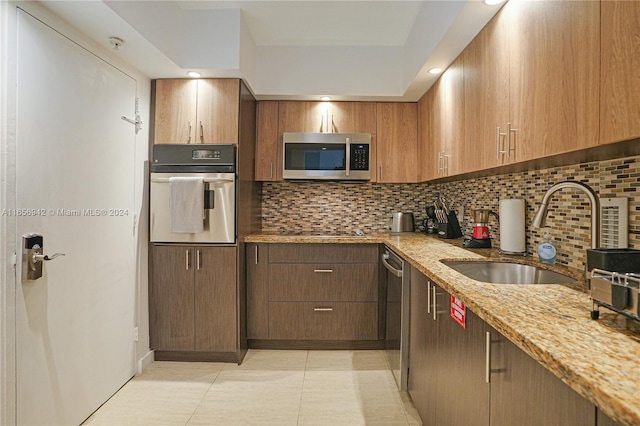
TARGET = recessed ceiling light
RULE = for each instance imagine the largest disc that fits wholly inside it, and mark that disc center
(435, 70)
(194, 74)
(325, 98)
(492, 2)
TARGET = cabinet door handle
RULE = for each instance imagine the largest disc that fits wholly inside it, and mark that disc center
(256, 254)
(323, 309)
(487, 372)
(189, 132)
(433, 289)
(509, 131)
(271, 170)
(201, 133)
(428, 297)
(381, 173)
(198, 260)
(186, 266)
(323, 271)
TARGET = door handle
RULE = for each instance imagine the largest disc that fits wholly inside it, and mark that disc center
(33, 257)
(323, 271)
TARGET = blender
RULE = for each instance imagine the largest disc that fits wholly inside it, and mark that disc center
(481, 237)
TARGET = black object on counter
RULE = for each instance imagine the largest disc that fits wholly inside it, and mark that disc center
(614, 259)
(451, 228)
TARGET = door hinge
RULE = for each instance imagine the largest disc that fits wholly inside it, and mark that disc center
(135, 334)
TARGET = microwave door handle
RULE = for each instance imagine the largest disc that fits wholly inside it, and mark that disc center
(348, 158)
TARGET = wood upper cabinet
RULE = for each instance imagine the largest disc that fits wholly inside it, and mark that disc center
(430, 133)
(268, 150)
(554, 76)
(486, 96)
(196, 111)
(397, 142)
(441, 125)
(451, 161)
(193, 299)
(327, 117)
(620, 79)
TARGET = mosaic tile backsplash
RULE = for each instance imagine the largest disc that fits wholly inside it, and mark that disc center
(340, 207)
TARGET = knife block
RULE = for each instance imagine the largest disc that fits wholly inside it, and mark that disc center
(451, 228)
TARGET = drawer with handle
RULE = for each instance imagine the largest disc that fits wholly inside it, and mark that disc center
(354, 282)
(323, 320)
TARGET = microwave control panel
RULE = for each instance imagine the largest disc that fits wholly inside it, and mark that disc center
(359, 157)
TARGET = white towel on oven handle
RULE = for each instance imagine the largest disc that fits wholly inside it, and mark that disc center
(186, 204)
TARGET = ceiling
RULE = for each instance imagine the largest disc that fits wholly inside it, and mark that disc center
(294, 49)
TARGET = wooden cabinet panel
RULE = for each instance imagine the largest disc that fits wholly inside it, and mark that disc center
(193, 299)
(486, 96)
(453, 86)
(463, 395)
(353, 117)
(430, 132)
(196, 111)
(397, 142)
(523, 392)
(286, 321)
(268, 150)
(257, 264)
(218, 107)
(323, 253)
(620, 79)
(604, 420)
(554, 76)
(171, 299)
(215, 299)
(288, 300)
(323, 282)
(423, 346)
(341, 321)
(302, 117)
(175, 111)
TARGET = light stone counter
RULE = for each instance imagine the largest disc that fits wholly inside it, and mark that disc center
(598, 359)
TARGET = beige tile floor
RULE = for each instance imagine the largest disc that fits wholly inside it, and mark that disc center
(269, 388)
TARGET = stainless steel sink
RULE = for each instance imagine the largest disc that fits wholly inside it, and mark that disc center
(507, 273)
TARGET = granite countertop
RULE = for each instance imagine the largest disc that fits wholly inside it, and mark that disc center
(598, 359)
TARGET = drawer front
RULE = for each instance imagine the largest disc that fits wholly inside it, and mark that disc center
(341, 321)
(286, 321)
(323, 253)
(323, 320)
(353, 282)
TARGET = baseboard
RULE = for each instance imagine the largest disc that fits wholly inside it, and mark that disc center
(316, 344)
(145, 361)
(189, 356)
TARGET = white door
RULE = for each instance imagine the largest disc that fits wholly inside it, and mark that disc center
(75, 159)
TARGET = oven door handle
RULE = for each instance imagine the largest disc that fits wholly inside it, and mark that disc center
(394, 271)
(208, 180)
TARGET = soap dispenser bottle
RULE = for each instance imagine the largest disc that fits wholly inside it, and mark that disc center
(547, 251)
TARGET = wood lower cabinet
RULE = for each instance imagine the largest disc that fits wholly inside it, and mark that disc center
(523, 392)
(446, 361)
(193, 299)
(620, 79)
(451, 383)
(196, 111)
(312, 292)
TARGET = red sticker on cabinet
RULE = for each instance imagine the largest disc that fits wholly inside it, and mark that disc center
(458, 311)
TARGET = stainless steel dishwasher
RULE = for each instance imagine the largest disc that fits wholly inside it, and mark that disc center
(398, 283)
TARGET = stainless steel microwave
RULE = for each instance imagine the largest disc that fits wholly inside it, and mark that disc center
(327, 156)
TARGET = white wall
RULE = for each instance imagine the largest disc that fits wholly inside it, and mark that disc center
(8, 39)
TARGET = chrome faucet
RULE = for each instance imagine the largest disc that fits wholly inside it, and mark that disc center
(541, 215)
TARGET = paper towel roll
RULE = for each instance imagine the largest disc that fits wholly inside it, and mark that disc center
(512, 232)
